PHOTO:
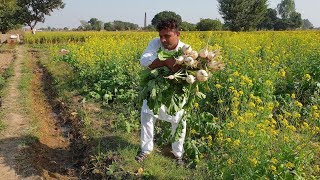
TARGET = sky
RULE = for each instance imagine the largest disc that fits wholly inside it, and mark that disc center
(133, 11)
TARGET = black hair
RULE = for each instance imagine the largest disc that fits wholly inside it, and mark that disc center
(168, 24)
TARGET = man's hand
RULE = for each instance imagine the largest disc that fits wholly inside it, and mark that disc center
(171, 64)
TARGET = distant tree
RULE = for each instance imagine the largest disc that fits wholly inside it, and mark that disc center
(120, 26)
(108, 26)
(269, 20)
(85, 26)
(225, 27)
(7, 15)
(295, 20)
(186, 26)
(286, 8)
(291, 23)
(95, 24)
(209, 25)
(282, 24)
(80, 28)
(242, 15)
(165, 15)
(290, 19)
(33, 11)
(150, 27)
(306, 24)
(66, 29)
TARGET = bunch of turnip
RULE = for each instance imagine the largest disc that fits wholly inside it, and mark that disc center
(197, 66)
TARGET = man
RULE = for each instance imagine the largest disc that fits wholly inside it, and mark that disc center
(168, 41)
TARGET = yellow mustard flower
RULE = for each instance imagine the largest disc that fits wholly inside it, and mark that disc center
(228, 139)
(298, 104)
(236, 142)
(230, 125)
(196, 105)
(253, 161)
(220, 101)
(282, 73)
(273, 168)
(218, 86)
(268, 83)
(307, 77)
(289, 165)
(274, 160)
(230, 161)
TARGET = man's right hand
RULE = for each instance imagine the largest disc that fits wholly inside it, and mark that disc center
(171, 64)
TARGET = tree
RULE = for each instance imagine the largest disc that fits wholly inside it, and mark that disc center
(165, 15)
(269, 20)
(85, 26)
(7, 15)
(33, 11)
(282, 24)
(95, 24)
(306, 24)
(285, 8)
(295, 20)
(108, 26)
(150, 27)
(185, 26)
(120, 26)
(242, 15)
(290, 19)
(209, 25)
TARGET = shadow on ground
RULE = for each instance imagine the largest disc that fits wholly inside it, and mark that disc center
(36, 159)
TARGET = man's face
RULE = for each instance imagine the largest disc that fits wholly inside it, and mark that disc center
(169, 38)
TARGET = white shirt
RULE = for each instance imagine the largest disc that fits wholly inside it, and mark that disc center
(150, 54)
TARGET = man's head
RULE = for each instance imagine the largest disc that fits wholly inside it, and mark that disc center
(169, 33)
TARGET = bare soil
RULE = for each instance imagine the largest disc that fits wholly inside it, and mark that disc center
(55, 153)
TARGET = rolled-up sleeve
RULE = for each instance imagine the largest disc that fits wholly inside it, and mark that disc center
(150, 54)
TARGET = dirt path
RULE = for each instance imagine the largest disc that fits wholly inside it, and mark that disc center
(47, 155)
(16, 127)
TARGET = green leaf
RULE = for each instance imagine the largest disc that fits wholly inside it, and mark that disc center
(164, 55)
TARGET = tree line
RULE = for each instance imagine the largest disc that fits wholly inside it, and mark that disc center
(238, 15)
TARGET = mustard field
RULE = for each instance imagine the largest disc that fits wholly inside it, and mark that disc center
(261, 114)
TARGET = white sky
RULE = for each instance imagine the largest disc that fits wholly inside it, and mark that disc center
(133, 11)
